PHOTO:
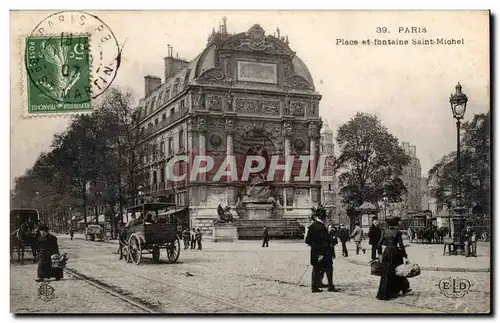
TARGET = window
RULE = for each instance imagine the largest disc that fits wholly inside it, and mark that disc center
(182, 105)
(181, 139)
(167, 94)
(163, 117)
(154, 152)
(170, 146)
(156, 121)
(152, 106)
(162, 149)
(172, 111)
(330, 187)
(154, 177)
(162, 175)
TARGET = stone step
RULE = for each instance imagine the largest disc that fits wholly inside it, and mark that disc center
(285, 232)
(270, 223)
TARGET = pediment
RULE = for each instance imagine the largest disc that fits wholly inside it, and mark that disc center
(255, 40)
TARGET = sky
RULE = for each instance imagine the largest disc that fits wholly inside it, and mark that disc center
(407, 87)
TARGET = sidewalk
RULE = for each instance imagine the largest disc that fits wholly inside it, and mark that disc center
(429, 257)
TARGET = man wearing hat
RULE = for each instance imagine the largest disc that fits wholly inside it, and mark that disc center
(374, 235)
(321, 251)
(344, 238)
(47, 246)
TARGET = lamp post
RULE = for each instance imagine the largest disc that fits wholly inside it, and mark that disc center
(458, 103)
(385, 207)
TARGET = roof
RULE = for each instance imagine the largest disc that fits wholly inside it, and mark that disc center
(151, 206)
(367, 207)
(207, 60)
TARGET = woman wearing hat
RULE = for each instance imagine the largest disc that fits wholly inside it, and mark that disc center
(390, 284)
(47, 246)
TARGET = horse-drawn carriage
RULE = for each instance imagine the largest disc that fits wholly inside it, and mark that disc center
(23, 224)
(156, 227)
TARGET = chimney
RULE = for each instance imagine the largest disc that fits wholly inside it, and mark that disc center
(173, 64)
(151, 83)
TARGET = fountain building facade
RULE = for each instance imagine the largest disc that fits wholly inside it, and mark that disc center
(245, 94)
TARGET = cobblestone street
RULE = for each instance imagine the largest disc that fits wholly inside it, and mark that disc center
(233, 278)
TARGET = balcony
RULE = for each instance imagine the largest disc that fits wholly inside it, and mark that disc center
(164, 123)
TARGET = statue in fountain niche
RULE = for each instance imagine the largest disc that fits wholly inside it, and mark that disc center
(258, 189)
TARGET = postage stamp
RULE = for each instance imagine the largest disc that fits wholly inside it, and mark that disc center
(59, 73)
(70, 59)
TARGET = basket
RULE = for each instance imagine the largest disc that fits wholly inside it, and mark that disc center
(408, 270)
(377, 268)
(59, 261)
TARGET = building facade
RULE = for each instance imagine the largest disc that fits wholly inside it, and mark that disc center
(412, 179)
(244, 93)
(329, 187)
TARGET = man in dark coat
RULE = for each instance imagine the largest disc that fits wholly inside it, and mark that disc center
(47, 246)
(374, 235)
(321, 252)
(265, 234)
(344, 238)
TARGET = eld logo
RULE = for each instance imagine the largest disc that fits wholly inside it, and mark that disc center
(454, 287)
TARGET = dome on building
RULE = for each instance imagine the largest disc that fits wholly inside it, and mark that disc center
(326, 130)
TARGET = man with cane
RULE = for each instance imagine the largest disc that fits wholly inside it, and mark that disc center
(321, 251)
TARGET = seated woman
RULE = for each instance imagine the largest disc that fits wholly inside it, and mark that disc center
(391, 284)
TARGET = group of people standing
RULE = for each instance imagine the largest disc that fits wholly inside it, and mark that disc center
(192, 238)
(322, 240)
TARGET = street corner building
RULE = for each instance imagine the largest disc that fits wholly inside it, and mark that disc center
(245, 94)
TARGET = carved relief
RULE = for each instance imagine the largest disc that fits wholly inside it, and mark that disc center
(211, 75)
(299, 144)
(287, 129)
(229, 127)
(313, 131)
(256, 40)
(255, 106)
(215, 141)
(313, 108)
(297, 81)
(274, 130)
(229, 102)
(214, 103)
(202, 124)
(200, 100)
(297, 109)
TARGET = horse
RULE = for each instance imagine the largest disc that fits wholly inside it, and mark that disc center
(19, 239)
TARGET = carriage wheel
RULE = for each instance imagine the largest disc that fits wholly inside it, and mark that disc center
(156, 252)
(173, 250)
(135, 251)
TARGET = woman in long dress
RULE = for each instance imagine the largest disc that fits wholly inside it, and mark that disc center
(390, 284)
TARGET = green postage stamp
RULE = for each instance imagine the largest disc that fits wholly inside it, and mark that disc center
(59, 78)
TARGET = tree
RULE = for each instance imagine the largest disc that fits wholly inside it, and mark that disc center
(475, 164)
(370, 162)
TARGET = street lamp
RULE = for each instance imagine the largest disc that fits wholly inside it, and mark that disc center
(458, 103)
(140, 193)
(385, 207)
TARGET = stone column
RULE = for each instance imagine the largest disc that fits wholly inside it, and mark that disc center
(313, 137)
(202, 129)
(287, 133)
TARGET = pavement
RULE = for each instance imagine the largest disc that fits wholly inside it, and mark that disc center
(430, 257)
(239, 277)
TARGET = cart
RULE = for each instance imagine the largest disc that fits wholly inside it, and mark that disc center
(149, 232)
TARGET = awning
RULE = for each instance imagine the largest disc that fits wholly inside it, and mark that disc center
(174, 211)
